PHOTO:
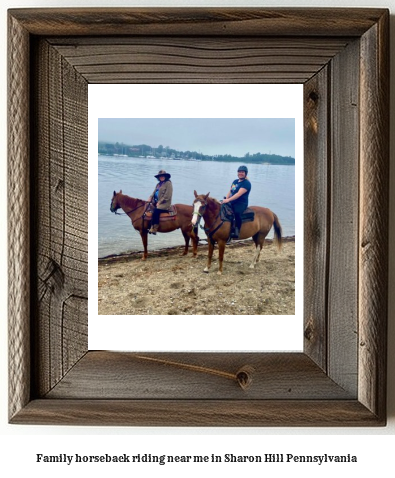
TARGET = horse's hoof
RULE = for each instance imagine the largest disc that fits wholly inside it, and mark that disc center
(219, 273)
(252, 266)
(206, 270)
(143, 258)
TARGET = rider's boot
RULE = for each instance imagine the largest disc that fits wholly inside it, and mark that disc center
(154, 229)
(235, 233)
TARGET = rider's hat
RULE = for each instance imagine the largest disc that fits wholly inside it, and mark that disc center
(243, 168)
(162, 172)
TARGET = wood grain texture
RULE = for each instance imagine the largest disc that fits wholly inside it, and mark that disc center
(344, 216)
(340, 377)
(18, 218)
(252, 22)
(196, 376)
(202, 413)
(185, 60)
(316, 214)
(373, 232)
(61, 234)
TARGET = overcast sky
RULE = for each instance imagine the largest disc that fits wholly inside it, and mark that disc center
(235, 136)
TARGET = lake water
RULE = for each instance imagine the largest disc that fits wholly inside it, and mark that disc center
(272, 186)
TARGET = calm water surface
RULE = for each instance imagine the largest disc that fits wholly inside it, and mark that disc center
(272, 187)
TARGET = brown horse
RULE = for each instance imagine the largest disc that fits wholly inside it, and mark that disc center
(136, 209)
(218, 230)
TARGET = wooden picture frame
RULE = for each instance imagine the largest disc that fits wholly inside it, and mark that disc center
(342, 58)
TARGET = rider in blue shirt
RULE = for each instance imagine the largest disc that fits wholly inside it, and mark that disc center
(238, 197)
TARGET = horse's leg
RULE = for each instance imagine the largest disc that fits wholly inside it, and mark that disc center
(144, 238)
(195, 242)
(210, 255)
(221, 250)
(186, 238)
(190, 235)
(259, 239)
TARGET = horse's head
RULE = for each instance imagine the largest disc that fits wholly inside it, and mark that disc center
(199, 207)
(115, 205)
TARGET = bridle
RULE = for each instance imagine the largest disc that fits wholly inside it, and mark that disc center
(200, 214)
(114, 210)
(207, 230)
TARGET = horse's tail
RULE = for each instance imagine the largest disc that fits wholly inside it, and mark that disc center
(277, 231)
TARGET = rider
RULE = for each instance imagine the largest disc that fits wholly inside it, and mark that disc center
(238, 197)
(160, 198)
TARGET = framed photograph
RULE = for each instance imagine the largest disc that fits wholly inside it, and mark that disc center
(341, 59)
(205, 152)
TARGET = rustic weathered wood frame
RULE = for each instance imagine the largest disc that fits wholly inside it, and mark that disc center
(342, 58)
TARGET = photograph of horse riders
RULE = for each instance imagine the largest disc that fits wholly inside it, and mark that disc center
(215, 202)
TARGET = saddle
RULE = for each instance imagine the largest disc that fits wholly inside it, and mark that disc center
(165, 216)
(226, 214)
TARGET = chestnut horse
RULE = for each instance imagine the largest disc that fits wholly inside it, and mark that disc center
(218, 230)
(136, 208)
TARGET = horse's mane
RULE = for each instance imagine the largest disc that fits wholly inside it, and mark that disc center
(129, 199)
(211, 199)
(215, 201)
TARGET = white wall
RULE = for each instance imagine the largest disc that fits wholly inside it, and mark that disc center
(371, 451)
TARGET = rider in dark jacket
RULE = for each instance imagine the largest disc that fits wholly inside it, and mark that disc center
(238, 197)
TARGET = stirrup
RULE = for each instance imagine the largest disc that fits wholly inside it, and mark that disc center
(235, 234)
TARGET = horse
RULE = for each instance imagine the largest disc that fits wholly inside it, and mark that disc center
(218, 230)
(136, 209)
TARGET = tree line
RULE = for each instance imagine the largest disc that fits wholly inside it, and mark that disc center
(147, 151)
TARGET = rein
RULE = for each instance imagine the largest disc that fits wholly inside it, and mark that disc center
(210, 233)
(207, 229)
(132, 210)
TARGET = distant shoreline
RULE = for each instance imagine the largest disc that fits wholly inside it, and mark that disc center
(238, 160)
(262, 159)
(171, 250)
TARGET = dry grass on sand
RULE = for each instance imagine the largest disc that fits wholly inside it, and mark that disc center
(170, 284)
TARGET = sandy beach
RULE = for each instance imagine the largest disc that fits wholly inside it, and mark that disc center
(170, 284)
